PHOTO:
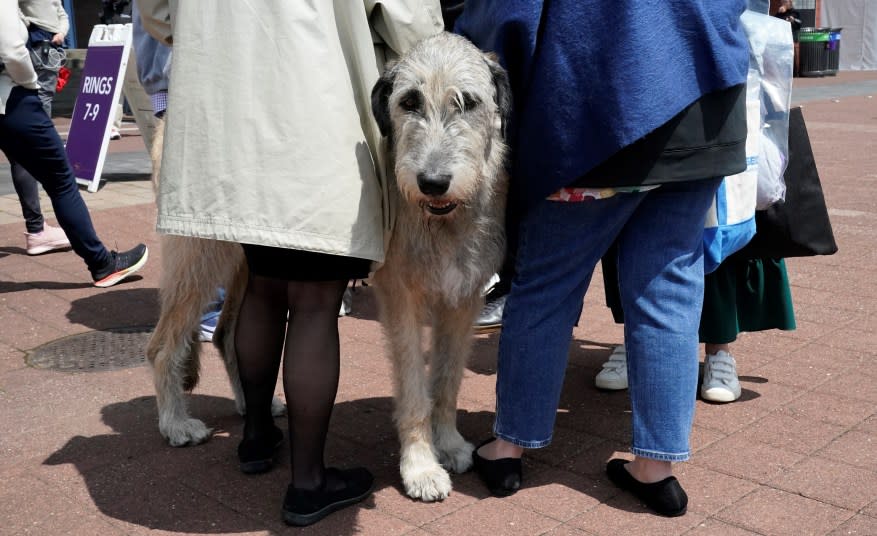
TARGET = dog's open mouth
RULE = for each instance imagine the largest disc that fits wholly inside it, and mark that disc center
(440, 208)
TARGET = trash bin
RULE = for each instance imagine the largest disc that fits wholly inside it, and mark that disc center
(833, 51)
(813, 50)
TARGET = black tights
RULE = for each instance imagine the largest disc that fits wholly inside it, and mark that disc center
(308, 341)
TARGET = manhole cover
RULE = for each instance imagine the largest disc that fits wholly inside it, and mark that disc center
(94, 351)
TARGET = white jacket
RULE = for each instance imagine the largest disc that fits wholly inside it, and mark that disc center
(270, 138)
(47, 14)
(18, 69)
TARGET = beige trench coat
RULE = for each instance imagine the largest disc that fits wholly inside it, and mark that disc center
(269, 137)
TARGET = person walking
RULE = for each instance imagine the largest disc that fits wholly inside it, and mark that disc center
(28, 136)
(47, 24)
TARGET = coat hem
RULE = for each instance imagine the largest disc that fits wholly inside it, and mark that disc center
(269, 236)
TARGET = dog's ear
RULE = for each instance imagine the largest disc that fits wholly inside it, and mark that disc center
(502, 87)
(381, 99)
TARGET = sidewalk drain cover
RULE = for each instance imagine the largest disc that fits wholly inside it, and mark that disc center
(95, 351)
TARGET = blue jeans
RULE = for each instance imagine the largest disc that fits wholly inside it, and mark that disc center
(660, 268)
(28, 137)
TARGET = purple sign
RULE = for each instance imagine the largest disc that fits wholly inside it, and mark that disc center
(95, 108)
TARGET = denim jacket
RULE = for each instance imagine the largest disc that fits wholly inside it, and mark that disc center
(153, 58)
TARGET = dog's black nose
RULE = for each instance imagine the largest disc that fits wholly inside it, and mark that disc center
(433, 183)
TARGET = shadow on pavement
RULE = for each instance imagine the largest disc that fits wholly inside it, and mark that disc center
(115, 308)
(20, 286)
(135, 478)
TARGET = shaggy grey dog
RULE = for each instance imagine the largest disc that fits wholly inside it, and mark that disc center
(442, 108)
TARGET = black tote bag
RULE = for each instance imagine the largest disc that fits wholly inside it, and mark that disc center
(798, 227)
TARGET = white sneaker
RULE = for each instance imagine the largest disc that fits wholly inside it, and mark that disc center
(720, 382)
(49, 239)
(613, 377)
(346, 303)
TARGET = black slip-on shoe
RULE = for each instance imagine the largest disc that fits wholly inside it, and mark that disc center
(257, 455)
(303, 507)
(665, 497)
(502, 477)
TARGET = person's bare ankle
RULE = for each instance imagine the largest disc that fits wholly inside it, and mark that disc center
(499, 449)
(647, 470)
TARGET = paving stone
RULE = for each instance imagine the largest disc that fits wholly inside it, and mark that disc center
(792, 431)
(855, 448)
(713, 527)
(859, 525)
(828, 481)
(492, 516)
(710, 491)
(739, 456)
(771, 511)
(624, 515)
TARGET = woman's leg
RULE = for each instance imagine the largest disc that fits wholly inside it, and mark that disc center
(28, 192)
(310, 375)
(259, 336)
(28, 136)
(560, 244)
(661, 283)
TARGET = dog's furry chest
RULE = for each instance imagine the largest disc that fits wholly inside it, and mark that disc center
(447, 260)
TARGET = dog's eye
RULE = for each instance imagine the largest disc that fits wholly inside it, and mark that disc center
(410, 102)
(469, 102)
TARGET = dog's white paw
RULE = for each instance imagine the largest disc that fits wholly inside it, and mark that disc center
(456, 455)
(185, 432)
(278, 408)
(422, 476)
(427, 483)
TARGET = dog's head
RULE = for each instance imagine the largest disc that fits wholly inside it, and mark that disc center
(443, 107)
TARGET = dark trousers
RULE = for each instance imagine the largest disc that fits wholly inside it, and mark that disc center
(28, 192)
(28, 137)
(26, 186)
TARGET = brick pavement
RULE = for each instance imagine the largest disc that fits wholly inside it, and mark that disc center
(797, 454)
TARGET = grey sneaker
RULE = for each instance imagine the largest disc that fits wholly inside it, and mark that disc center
(613, 377)
(720, 382)
(490, 318)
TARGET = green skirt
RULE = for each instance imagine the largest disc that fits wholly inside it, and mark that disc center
(745, 295)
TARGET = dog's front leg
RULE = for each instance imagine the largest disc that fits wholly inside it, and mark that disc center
(451, 345)
(422, 475)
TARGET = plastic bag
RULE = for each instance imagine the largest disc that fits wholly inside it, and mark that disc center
(772, 54)
(730, 221)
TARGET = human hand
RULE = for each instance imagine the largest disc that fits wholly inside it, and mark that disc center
(58, 39)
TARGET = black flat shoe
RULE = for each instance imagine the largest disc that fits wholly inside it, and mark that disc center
(502, 476)
(665, 497)
(303, 507)
(257, 455)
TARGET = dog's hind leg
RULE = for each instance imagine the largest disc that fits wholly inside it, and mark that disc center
(422, 475)
(188, 282)
(451, 346)
(223, 337)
